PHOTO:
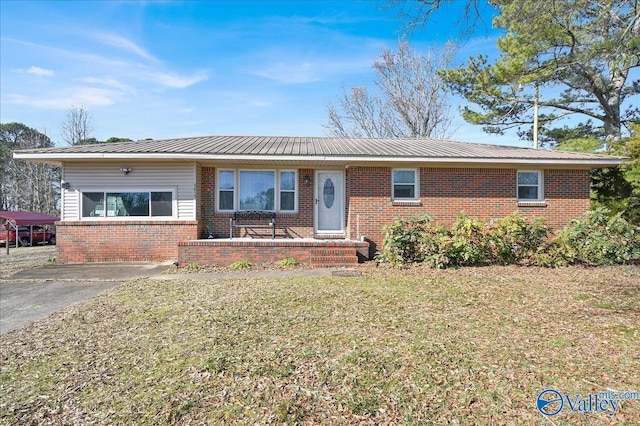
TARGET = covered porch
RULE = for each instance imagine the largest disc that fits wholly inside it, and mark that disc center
(314, 252)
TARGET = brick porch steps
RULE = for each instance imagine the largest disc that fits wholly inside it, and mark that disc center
(317, 253)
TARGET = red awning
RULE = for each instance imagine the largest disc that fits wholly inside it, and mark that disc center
(28, 218)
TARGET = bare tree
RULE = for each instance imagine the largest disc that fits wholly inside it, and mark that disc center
(78, 127)
(417, 14)
(26, 185)
(409, 100)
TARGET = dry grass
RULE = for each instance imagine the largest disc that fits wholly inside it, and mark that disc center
(469, 346)
(20, 258)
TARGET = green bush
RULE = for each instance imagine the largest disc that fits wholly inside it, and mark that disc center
(436, 247)
(466, 244)
(515, 240)
(241, 265)
(416, 240)
(288, 262)
(597, 238)
(405, 241)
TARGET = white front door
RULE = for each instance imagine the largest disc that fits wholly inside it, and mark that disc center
(330, 201)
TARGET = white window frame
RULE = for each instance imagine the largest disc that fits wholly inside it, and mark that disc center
(276, 192)
(416, 184)
(540, 186)
(236, 189)
(296, 190)
(174, 204)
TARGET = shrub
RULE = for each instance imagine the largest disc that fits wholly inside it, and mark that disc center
(289, 261)
(404, 241)
(241, 264)
(415, 240)
(468, 244)
(597, 238)
(436, 245)
(515, 240)
(191, 267)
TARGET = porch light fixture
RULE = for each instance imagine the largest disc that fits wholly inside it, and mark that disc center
(306, 180)
(65, 185)
(125, 170)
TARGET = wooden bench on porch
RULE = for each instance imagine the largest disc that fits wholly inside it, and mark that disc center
(253, 219)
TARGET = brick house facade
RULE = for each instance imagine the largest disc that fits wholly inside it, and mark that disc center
(332, 197)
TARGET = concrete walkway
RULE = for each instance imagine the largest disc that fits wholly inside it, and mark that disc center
(35, 293)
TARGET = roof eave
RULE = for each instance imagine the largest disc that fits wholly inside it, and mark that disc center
(59, 158)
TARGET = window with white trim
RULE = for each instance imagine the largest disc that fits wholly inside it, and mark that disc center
(530, 185)
(127, 204)
(288, 190)
(404, 184)
(257, 190)
(270, 190)
(226, 190)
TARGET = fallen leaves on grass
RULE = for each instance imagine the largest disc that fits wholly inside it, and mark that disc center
(474, 345)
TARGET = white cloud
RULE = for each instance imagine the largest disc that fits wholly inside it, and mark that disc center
(109, 82)
(175, 81)
(123, 44)
(304, 72)
(39, 71)
(310, 71)
(89, 96)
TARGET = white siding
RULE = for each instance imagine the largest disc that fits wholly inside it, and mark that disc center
(101, 176)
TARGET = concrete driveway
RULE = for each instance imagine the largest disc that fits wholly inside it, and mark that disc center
(35, 293)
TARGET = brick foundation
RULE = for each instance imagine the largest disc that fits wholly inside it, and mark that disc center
(119, 241)
(313, 252)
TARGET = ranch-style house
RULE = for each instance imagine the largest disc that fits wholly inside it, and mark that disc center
(321, 200)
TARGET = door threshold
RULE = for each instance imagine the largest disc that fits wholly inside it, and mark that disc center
(330, 236)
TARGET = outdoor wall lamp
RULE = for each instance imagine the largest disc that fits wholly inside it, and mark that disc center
(65, 185)
(306, 180)
(125, 170)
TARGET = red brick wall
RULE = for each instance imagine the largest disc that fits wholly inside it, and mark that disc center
(316, 253)
(447, 192)
(444, 194)
(288, 225)
(115, 241)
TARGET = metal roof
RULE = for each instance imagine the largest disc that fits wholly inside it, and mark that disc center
(318, 149)
(28, 218)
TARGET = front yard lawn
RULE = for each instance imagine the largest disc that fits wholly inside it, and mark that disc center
(471, 346)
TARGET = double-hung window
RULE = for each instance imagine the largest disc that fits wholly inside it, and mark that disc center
(226, 190)
(270, 190)
(127, 203)
(404, 184)
(288, 191)
(530, 185)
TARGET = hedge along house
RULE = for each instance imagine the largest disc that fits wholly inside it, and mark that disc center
(173, 199)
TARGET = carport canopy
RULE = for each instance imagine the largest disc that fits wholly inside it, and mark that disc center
(15, 219)
(28, 218)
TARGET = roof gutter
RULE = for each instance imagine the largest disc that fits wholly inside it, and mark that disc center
(57, 158)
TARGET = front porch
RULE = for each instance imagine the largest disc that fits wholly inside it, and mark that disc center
(316, 253)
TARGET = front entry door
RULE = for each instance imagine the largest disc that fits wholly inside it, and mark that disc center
(330, 201)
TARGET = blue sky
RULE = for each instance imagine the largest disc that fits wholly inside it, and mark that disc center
(174, 69)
